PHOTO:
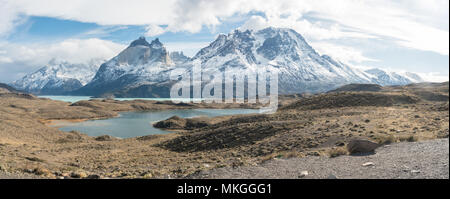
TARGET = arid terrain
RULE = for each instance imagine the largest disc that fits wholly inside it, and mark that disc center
(304, 126)
(406, 160)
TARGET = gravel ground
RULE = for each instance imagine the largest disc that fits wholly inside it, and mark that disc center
(428, 159)
(418, 160)
(4, 175)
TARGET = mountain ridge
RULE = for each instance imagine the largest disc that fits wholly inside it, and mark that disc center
(143, 68)
(58, 77)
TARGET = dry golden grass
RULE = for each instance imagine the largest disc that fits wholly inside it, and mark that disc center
(337, 151)
(227, 141)
(390, 139)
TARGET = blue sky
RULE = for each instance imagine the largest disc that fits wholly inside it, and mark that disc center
(394, 35)
(46, 29)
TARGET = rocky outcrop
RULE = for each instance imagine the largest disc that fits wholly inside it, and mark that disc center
(351, 99)
(177, 123)
(361, 146)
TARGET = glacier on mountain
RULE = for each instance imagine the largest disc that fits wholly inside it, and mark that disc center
(143, 68)
(58, 77)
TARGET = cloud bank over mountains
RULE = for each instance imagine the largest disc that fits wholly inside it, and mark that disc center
(415, 24)
(412, 23)
(18, 59)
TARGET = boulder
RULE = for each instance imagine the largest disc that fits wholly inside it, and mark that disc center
(78, 174)
(303, 174)
(105, 138)
(361, 146)
(93, 176)
(331, 176)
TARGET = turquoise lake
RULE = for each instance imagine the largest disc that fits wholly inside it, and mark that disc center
(73, 99)
(133, 124)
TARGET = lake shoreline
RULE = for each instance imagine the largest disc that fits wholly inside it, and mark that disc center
(74, 98)
(319, 125)
(142, 121)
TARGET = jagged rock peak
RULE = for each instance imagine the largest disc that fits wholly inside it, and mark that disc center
(178, 57)
(156, 43)
(141, 41)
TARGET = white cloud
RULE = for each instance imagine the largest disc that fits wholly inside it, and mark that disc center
(394, 20)
(417, 24)
(19, 59)
(192, 15)
(102, 31)
(345, 54)
(426, 76)
(71, 50)
(255, 23)
(5, 60)
(154, 30)
(9, 18)
(103, 12)
(434, 77)
(313, 31)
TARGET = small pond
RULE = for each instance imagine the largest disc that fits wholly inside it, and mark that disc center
(133, 124)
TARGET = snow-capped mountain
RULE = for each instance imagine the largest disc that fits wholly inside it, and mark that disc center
(179, 57)
(391, 78)
(300, 67)
(58, 77)
(140, 64)
(142, 69)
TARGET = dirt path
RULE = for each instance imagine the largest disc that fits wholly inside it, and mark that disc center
(428, 159)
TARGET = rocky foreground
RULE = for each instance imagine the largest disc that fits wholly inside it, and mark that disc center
(418, 160)
(314, 127)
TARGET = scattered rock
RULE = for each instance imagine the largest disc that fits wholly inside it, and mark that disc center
(93, 176)
(340, 143)
(147, 175)
(303, 174)
(361, 146)
(331, 176)
(313, 153)
(368, 164)
(415, 171)
(41, 171)
(78, 174)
